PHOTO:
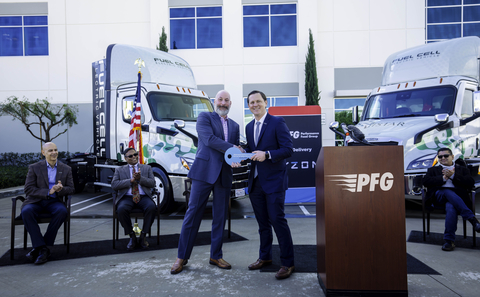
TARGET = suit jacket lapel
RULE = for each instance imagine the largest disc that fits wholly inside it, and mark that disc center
(264, 127)
(59, 173)
(45, 173)
(218, 122)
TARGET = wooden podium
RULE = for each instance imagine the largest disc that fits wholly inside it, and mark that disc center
(361, 245)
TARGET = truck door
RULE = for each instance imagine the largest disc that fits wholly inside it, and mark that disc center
(469, 125)
(125, 102)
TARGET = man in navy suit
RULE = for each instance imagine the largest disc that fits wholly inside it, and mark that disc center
(269, 138)
(46, 182)
(216, 134)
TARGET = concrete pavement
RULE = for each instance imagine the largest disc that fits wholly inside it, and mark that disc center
(148, 273)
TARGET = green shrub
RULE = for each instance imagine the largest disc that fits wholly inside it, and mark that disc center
(12, 176)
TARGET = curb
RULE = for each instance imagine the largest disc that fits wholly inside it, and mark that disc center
(9, 192)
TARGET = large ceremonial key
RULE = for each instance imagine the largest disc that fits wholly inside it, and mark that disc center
(234, 154)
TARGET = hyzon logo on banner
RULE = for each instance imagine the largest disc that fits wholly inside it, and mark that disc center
(356, 182)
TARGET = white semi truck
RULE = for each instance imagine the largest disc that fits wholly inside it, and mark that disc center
(170, 106)
(428, 99)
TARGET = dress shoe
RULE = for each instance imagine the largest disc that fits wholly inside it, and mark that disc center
(284, 272)
(132, 243)
(33, 254)
(143, 241)
(448, 246)
(43, 256)
(259, 264)
(220, 263)
(475, 223)
(178, 266)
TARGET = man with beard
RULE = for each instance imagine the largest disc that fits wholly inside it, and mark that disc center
(216, 134)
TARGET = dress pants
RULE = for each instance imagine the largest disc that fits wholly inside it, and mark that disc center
(30, 213)
(269, 211)
(125, 206)
(454, 206)
(200, 193)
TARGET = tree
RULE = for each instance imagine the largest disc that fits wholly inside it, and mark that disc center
(311, 81)
(45, 115)
(162, 41)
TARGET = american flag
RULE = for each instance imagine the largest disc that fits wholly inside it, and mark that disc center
(135, 136)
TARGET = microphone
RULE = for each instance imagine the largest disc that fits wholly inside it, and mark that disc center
(356, 133)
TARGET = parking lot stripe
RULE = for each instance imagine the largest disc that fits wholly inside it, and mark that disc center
(83, 201)
(91, 205)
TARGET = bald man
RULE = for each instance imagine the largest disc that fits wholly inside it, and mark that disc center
(47, 181)
(209, 172)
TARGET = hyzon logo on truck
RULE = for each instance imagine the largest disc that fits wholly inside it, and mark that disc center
(423, 55)
(355, 182)
(99, 109)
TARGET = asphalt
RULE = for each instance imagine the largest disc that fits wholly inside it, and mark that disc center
(148, 273)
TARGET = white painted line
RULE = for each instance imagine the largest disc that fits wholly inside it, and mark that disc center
(305, 211)
(178, 210)
(83, 201)
(91, 205)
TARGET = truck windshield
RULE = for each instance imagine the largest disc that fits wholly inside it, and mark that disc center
(167, 106)
(420, 102)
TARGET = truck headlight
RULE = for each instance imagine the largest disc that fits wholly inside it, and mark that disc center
(187, 163)
(422, 162)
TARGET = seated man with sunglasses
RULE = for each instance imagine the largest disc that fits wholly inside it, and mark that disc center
(448, 185)
(134, 183)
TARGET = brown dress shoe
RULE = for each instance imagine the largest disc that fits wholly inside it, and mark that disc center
(178, 266)
(284, 272)
(220, 263)
(259, 264)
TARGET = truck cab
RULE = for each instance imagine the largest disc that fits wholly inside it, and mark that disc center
(170, 105)
(428, 99)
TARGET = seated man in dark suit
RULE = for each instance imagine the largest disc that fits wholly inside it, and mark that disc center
(46, 182)
(134, 183)
(448, 185)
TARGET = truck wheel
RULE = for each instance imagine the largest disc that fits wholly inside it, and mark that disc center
(162, 183)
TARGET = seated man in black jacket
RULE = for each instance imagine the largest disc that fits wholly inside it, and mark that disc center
(448, 185)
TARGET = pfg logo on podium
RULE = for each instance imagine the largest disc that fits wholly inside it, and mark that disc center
(357, 182)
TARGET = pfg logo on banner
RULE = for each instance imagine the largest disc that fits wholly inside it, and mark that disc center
(356, 182)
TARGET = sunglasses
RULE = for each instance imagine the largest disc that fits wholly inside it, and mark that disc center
(132, 155)
(443, 156)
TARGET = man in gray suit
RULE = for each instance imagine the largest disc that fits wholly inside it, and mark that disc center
(134, 183)
(46, 182)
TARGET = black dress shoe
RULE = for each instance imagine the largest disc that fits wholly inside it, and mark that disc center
(143, 241)
(43, 256)
(448, 246)
(476, 224)
(132, 243)
(33, 254)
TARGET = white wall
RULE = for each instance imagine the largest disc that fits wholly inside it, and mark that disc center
(347, 33)
(362, 33)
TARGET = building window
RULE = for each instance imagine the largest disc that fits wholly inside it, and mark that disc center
(23, 36)
(271, 101)
(343, 112)
(196, 27)
(269, 25)
(447, 19)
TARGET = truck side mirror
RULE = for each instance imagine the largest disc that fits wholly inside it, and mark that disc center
(355, 115)
(179, 123)
(441, 117)
(476, 102)
(334, 125)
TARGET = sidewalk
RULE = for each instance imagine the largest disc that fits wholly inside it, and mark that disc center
(8, 192)
(148, 273)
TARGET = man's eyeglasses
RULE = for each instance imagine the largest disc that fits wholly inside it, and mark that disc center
(132, 155)
(443, 156)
